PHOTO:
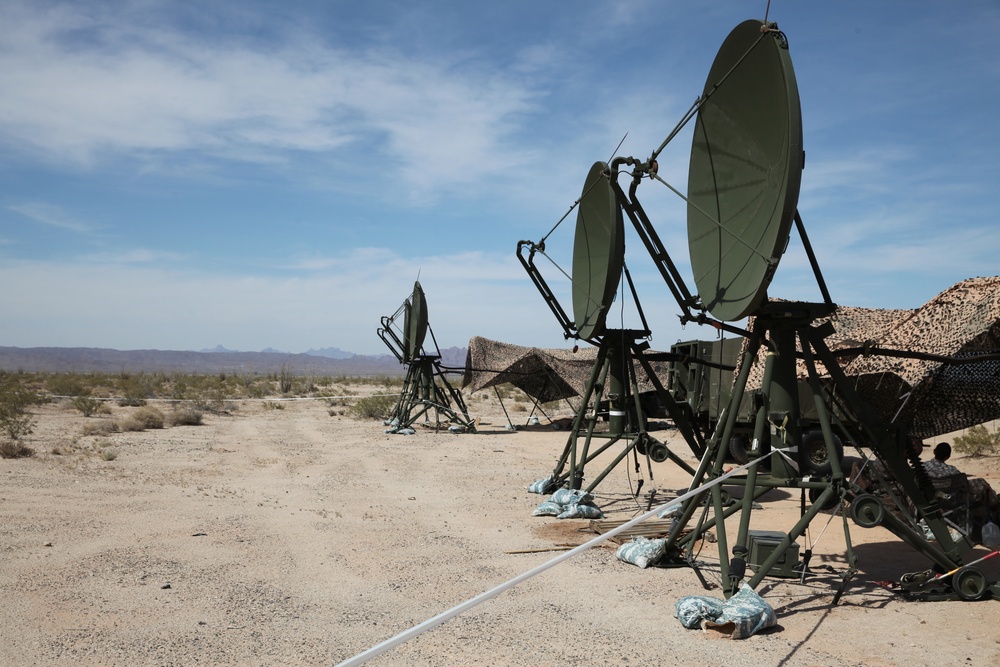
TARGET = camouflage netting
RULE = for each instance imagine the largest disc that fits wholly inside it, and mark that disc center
(544, 374)
(928, 398)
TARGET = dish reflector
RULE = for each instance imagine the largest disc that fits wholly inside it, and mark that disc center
(414, 323)
(598, 252)
(745, 170)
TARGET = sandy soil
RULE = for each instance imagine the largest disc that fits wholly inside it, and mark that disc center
(292, 537)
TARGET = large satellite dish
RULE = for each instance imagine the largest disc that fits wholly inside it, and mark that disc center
(745, 169)
(598, 252)
(414, 323)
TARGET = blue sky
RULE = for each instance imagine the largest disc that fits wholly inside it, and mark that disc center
(178, 175)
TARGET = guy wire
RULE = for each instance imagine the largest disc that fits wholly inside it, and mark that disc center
(717, 222)
(577, 202)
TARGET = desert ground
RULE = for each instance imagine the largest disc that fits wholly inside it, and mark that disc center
(290, 536)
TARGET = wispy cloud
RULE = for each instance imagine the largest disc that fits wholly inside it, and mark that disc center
(132, 256)
(51, 215)
(142, 91)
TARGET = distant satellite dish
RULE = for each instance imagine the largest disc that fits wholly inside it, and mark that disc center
(598, 252)
(745, 170)
(414, 323)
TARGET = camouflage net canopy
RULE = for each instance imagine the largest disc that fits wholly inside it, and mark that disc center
(543, 374)
(928, 398)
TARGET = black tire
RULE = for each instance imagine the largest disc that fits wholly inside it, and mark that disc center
(658, 452)
(814, 495)
(969, 584)
(738, 449)
(813, 454)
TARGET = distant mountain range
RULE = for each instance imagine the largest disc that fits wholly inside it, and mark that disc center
(331, 352)
(322, 361)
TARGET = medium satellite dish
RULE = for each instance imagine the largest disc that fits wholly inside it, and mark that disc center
(745, 170)
(598, 252)
(414, 323)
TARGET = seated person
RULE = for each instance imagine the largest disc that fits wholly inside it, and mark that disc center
(982, 497)
(937, 466)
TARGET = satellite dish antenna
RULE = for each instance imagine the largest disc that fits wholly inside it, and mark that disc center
(426, 387)
(743, 183)
(744, 173)
(414, 323)
(613, 389)
(598, 252)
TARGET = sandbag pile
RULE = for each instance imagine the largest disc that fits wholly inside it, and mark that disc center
(739, 617)
(542, 486)
(642, 551)
(569, 504)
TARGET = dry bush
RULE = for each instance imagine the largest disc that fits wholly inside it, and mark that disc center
(101, 427)
(374, 407)
(143, 418)
(88, 406)
(14, 449)
(16, 421)
(185, 416)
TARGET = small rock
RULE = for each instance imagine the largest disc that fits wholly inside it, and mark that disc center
(165, 586)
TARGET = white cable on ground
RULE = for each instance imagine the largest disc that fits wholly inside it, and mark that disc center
(237, 399)
(431, 623)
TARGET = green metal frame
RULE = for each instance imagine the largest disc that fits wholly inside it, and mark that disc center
(779, 327)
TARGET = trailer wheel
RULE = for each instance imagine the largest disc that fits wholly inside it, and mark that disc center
(814, 456)
(969, 583)
(814, 495)
(738, 449)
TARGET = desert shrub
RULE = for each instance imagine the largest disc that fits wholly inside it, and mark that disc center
(385, 381)
(256, 390)
(143, 418)
(66, 384)
(100, 427)
(178, 389)
(185, 416)
(978, 441)
(519, 407)
(131, 402)
(135, 389)
(374, 407)
(14, 449)
(16, 420)
(109, 455)
(216, 406)
(273, 405)
(87, 405)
